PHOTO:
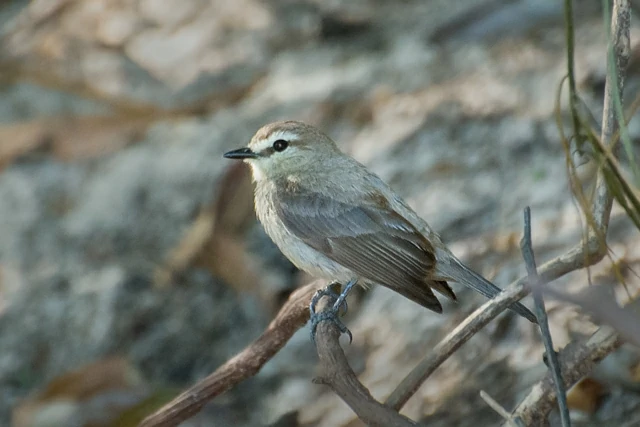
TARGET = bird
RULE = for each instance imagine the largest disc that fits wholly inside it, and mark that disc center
(335, 219)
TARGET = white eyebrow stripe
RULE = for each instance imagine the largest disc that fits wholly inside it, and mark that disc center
(279, 134)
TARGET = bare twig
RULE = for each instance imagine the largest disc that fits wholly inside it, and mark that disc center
(618, 54)
(500, 410)
(576, 360)
(337, 374)
(526, 246)
(292, 316)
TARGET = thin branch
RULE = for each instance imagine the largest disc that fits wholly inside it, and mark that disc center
(461, 334)
(618, 54)
(337, 374)
(576, 361)
(500, 410)
(526, 246)
(293, 315)
(572, 260)
(616, 72)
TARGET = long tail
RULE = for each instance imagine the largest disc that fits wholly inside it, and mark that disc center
(458, 272)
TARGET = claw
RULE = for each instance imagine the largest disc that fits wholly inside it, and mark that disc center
(325, 292)
(332, 314)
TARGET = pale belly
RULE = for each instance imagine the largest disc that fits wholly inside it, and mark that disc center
(308, 259)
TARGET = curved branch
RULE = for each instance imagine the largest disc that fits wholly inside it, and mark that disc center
(454, 340)
(337, 374)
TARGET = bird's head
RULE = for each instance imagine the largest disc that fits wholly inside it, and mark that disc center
(285, 148)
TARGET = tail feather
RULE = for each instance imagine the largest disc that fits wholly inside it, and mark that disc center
(458, 272)
(443, 288)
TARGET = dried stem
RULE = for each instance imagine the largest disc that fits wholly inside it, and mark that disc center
(526, 246)
(620, 47)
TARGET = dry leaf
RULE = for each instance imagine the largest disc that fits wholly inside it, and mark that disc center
(69, 139)
(585, 396)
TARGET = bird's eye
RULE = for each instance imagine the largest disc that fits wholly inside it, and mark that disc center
(280, 145)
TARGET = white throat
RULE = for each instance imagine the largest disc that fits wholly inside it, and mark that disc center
(256, 172)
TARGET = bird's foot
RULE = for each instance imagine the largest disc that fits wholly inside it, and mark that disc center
(331, 313)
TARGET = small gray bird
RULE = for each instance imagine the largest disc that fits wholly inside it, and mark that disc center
(336, 220)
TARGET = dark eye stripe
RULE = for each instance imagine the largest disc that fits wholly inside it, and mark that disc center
(267, 152)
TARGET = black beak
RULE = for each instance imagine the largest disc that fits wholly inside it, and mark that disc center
(241, 153)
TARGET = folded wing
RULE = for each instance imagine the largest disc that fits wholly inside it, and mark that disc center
(373, 241)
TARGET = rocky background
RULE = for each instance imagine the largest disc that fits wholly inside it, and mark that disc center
(130, 262)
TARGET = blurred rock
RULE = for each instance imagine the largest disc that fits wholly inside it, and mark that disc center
(160, 52)
(175, 336)
(167, 14)
(117, 27)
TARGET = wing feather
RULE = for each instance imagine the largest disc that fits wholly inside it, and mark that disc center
(373, 241)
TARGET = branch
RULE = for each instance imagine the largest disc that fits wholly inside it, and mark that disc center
(454, 340)
(337, 374)
(574, 259)
(526, 246)
(576, 361)
(292, 316)
(620, 47)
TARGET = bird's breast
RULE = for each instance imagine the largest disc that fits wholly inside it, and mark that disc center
(297, 251)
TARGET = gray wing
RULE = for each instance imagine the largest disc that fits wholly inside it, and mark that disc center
(373, 241)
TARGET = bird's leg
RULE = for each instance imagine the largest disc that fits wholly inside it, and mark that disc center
(333, 312)
(342, 299)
